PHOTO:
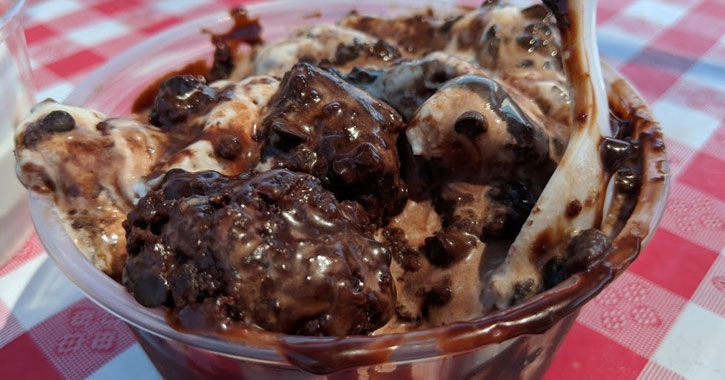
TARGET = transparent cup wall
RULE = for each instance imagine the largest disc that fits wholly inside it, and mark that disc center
(524, 357)
(16, 99)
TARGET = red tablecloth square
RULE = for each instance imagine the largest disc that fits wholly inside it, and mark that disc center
(76, 63)
(113, 7)
(707, 174)
(651, 82)
(23, 359)
(683, 42)
(674, 263)
(575, 360)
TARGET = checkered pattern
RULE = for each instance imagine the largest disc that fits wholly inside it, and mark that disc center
(663, 319)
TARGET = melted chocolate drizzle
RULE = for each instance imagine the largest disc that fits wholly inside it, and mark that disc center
(245, 30)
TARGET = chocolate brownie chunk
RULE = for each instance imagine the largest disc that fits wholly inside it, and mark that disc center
(273, 250)
(321, 125)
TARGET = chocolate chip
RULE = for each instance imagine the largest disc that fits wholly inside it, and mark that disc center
(471, 124)
(445, 248)
(408, 257)
(523, 290)
(103, 127)
(516, 196)
(437, 296)
(614, 152)
(54, 122)
(228, 147)
(585, 249)
(57, 121)
(179, 98)
(150, 289)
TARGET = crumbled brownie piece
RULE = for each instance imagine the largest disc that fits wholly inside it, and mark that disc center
(273, 250)
(319, 124)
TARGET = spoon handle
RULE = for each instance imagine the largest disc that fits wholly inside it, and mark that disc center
(573, 199)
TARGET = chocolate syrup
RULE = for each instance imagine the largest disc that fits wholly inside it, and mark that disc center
(145, 100)
(244, 30)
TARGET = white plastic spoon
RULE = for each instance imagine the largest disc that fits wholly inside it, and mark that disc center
(574, 196)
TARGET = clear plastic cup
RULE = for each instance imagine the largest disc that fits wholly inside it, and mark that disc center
(15, 102)
(515, 343)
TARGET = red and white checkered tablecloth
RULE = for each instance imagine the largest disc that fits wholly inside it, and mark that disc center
(663, 319)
